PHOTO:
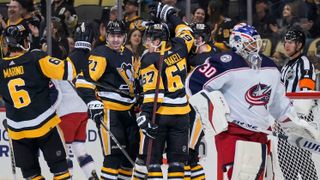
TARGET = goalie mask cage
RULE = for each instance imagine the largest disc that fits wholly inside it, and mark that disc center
(290, 162)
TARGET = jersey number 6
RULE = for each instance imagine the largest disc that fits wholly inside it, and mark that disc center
(20, 97)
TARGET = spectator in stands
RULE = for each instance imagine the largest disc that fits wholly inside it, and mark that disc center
(113, 15)
(199, 15)
(60, 45)
(132, 20)
(14, 16)
(32, 21)
(264, 22)
(289, 20)
(221, 26)
(135, 42)
(66, 13)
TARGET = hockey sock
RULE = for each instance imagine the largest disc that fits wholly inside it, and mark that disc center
(125, 173)
(140, 170)
(154, 172)
(197, 172)
(109, 173)
(176, 171)
(62, 176)
(36, 177)
(187, 172)
(87, 165)
(85, 160)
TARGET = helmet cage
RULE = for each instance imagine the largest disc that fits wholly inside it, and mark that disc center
(245, 40)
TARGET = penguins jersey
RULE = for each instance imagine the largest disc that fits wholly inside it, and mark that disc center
(113, 70)
(172, 98)
(198, 59)
(255, 97)
(24, 82)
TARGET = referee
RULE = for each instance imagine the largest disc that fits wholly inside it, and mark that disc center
(297, 75)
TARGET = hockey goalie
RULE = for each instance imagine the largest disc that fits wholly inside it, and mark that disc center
(239, 96)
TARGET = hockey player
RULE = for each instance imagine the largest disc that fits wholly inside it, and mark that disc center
(201, 51)
(172, 115)
(250, 83)
(297, 75)
(72, 110)
(32, 121)
(110, 68)
(202, 48)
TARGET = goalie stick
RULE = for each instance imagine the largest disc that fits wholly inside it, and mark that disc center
(13, 162)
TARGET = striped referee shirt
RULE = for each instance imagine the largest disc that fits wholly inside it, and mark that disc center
(298, 75)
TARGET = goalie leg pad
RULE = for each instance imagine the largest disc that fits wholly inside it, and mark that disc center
(249, 161)
(213, 109)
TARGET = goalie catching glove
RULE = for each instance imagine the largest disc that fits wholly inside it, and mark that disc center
(96, 111)
(300, 127)
(148, 128)
(161, 11)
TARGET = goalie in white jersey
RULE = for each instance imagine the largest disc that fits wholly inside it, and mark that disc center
(250, 83)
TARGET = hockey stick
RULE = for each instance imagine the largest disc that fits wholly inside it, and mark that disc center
(154, 110)
(13, 162)
(117, 142)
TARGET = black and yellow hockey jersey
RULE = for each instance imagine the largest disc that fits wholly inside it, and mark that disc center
(198, 59)
(111, 74)
(24, 86)
(172, 98)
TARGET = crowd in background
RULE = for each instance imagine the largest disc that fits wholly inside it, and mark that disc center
(271, 18)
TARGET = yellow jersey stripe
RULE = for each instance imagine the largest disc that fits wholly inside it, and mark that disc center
(34, 133)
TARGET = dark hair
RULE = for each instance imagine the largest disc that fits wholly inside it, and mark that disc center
(140, 48)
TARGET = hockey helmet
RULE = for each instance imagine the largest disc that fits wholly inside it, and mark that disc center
(158, 31)
(116, 27)
(295, 35)
(200, 29)
(245, 40)
(15, 35)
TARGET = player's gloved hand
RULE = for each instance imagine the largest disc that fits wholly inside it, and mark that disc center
(301, 128)
(83, 36)
(96, 111)
(148, 128)
(161, 11)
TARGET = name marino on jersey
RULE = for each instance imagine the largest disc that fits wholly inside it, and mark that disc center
(29, 110)
(13, 71)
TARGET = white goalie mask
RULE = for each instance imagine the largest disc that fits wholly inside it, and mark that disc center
(246, 42)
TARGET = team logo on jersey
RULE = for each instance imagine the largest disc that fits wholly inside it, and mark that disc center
(290, 74)
(258, 95)
(125, 71)
(226, 58)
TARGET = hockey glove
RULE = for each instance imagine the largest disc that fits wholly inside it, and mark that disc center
(161, 11)
(301, 128)
(83, 36)
(148, 128)
(96, 111)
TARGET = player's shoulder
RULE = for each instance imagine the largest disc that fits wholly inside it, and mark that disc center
(36, 54)
(100, 50)
(149, 58)
(268, 62)
(227, 60)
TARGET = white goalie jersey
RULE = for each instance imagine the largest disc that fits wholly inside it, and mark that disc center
(254, 102)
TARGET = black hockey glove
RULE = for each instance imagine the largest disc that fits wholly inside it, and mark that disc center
(83, 36)
(148, 128)
(96, 111)
(161, 11)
